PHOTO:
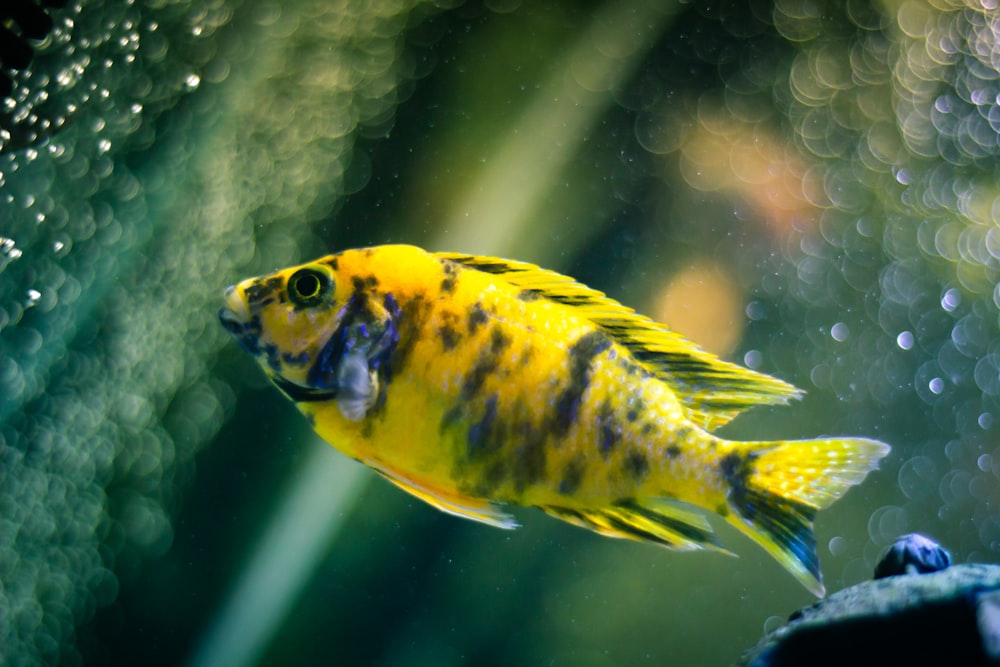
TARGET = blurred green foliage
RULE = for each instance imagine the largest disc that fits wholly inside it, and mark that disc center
(836, 162)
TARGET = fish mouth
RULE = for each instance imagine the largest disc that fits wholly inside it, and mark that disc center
(234, 316)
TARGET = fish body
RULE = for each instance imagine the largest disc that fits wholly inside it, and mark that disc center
(472, 382)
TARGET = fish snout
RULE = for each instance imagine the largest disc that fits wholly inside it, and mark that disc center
(235, 315)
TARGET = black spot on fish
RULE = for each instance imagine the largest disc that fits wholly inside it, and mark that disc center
(332, 263)
(257, 293)
(493, 476)
(722, 510)
(358, 283)
(647, 428)
(404, 323)
(300, 359)
(636, 465)
(481, 434)
(498, 340)
(736, 469)
(449, 337)
(636, 406)
(579, 358)
(529, 456)
(529, 295)
(572, 476)
(505, 447)
(474, 379)
(673, 451)
(273, 357)
(682, 434)
(450, 276)
(451, 417)
(477, 317)
(608, 435)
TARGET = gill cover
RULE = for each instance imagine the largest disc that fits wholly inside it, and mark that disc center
(353, 365)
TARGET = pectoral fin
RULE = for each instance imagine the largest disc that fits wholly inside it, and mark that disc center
(452, 503)
(357, 385)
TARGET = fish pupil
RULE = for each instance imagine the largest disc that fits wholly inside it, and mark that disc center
(308, 287)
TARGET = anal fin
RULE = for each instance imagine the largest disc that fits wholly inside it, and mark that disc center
(466, 507)
(659, 521)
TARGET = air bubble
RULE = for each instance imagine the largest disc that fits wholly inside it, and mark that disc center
(936, 385)
(905, 340)
(755, 310)
(916, 477)
(951, 300)
(840, 332)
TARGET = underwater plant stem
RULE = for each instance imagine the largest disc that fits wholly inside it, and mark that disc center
(300, 532)
(502, 202)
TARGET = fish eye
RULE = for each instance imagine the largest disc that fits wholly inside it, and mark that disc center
(307, 287)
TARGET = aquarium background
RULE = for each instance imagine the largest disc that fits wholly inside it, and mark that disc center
(809, 188)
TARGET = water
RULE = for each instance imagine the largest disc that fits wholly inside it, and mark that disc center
(825, 178)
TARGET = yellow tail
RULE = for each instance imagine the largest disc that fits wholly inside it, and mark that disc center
(776, 488)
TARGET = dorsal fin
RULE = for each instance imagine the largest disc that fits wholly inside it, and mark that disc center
(711, 390)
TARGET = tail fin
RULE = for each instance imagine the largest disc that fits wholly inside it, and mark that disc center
(776, 488)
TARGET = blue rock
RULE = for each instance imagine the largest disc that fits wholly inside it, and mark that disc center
(907, 617)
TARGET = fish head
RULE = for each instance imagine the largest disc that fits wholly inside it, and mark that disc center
(317, 333)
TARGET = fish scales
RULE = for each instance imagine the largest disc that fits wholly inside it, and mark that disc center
(527, 433)
(474, 381)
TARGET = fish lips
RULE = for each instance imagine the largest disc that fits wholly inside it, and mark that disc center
(236, 319)
(231, 322)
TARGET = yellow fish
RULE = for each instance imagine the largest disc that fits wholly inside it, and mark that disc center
(475, 381)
